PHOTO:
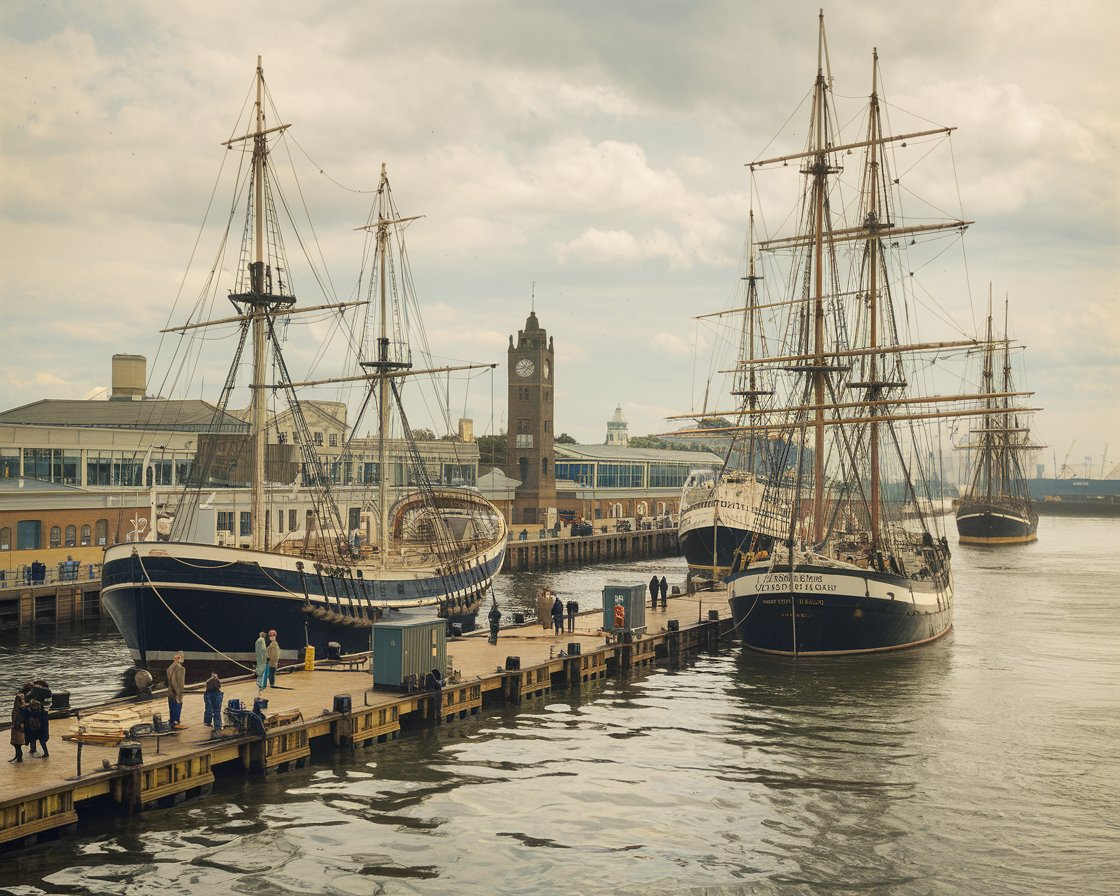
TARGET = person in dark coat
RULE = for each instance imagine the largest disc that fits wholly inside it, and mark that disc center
(664, 593)
(18, 735)
(558, 616)
(494, 617)
(38, 727)
(654, 587)
(572, 607)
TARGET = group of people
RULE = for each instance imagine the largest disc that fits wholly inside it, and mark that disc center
(658, 587)
(559, 611)
(31, 720)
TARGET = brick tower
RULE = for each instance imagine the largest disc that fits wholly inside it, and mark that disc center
(530, 431)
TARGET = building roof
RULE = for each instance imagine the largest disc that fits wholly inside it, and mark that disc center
(150, 414)
(623, 453)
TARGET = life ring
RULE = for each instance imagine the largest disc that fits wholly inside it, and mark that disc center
(620, 616)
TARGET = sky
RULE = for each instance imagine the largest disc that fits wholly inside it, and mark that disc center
(583, 159)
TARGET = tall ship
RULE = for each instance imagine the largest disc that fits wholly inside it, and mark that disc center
(722, 512)
(996, 508)
(413, 545)
(861, 565)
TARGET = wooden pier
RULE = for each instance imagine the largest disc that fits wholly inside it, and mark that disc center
(607, 544)
(329, 707)
(52, 603)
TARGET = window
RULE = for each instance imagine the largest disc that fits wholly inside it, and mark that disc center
(293, 520)
(282, 438)
(544, 468)
(225, 521)
(280, 521)
(101, 532)
(524, 441)
(71, 536)
(319, 439)
(5, 539)
(86, 535)
(523, 468)
(29, 535)
(56, 537)
(246, 523)
(9, 463)
(547, 425)
(523, 425)
(522, 393)
(332, 440)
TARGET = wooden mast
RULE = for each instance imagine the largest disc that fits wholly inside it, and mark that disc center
(257, 397)
(874, 222)
(820, 183)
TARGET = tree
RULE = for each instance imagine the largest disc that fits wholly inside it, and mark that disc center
(647, 442)
(565, 439)
(492, 450)
(423, 434)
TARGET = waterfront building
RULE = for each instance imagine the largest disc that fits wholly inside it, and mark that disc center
(79, 475)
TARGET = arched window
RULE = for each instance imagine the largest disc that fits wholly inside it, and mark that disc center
(5, 539)
(523, 465)
(86, 534)
(71, 536)
(56, 537)
(102, 532)
(616, 511)
(642, 508)
(544, 468)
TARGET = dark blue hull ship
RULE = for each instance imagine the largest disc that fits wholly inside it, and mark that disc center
(210, 602)
(827, 610)
(994, 524)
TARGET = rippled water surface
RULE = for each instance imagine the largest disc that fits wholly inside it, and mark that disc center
(985, 763)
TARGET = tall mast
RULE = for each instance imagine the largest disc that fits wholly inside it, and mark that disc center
(384, 366)
(257, 393)
(820, 172)
(873, 224)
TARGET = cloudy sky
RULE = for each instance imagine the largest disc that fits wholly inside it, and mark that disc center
(595, 150)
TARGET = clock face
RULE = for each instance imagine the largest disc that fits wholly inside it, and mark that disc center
(525, 367)
(547, 370)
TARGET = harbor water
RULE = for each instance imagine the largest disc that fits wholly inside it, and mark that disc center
(985, 763)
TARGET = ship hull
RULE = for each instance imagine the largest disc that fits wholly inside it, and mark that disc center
(211, 602)
(993, 524)
(825, 611)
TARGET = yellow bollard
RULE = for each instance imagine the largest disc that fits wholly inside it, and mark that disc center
(309, 658)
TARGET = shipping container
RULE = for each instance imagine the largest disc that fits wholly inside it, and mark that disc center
(631, 599)
(408, 647)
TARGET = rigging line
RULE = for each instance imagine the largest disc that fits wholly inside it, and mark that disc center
(180, 619)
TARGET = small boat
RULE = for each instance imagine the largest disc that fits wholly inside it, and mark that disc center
(996, 508)
(861, 565)
(415, 545)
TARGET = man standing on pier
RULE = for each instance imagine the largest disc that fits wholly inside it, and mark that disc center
(572, 608)
(654, 587)
(273, 657)
(494, 617)
(558, 616)
(176, 681)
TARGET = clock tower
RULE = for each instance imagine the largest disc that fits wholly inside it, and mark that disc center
(529, 455)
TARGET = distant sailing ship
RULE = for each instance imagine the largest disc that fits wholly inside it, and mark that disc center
(861, 565)
(722, 514)
(433, 549)
(996, 507)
